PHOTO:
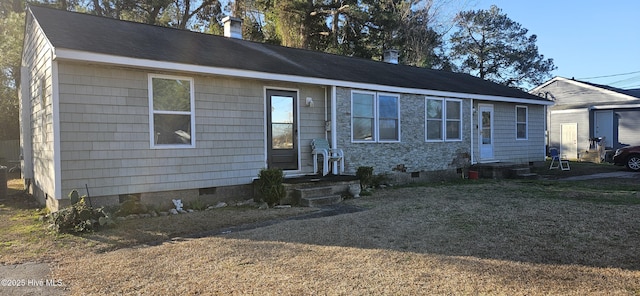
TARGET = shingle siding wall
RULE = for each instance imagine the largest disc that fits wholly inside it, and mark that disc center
(104, 124)
(412, 152)
(311, 122)
(105, 142)
(506, 146)
(37, 61)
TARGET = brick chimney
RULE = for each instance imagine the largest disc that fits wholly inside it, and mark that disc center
(390, 56)
(232, 27)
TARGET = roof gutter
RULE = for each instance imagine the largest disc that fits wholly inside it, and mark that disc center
(623, 106)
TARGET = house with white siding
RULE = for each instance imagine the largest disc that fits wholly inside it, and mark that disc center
(127, 108)
(585, 111)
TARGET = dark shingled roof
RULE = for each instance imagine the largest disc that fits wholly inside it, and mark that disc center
(629, 92)
(90, 33)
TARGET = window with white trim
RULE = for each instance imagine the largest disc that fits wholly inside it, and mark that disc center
(522, 122)
(375, 117)
(171, 111)
(443, 119)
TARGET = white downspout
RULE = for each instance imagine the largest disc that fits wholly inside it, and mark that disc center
(26, 144)
(547, 124)
(334, 126)
(326, 112)
(473, 131)
(57, 148)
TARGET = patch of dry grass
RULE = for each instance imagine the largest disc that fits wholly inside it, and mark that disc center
(483, 237)
(232, 266)
(472, 238)
(23, 238)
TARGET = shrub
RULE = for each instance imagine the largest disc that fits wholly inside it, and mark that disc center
(197, 205)
(380, 179)
(131, 206)
(365, 174)
(270, 186)
(78, 217)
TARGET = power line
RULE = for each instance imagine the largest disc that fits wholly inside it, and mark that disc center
(626, 82)
(612, 75)
(633, 86)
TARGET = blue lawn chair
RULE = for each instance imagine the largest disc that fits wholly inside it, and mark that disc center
(558, 161)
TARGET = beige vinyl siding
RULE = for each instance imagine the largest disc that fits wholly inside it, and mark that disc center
(105, 142)
(558, 118)
(36, 59)
(506, 146)
(311, 122)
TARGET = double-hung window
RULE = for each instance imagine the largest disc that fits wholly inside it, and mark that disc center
(171, 111)
(375, 117)
(522, 119)
(443, 119)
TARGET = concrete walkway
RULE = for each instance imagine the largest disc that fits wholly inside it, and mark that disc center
(29, 279)
(621, 174)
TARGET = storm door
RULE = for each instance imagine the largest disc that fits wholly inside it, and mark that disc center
(282, 129)
(485, 131)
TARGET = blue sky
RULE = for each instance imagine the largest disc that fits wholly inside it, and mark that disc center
(588, 38)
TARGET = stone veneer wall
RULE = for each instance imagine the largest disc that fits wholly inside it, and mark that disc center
(410, 159)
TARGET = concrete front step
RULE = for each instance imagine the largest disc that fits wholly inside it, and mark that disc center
(310, 192)
(523, 173)
(320, 200)
(519, 171)
(504, 170)
(317, 187)
(528, 176)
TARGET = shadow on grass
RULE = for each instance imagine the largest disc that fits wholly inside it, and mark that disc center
(157, 230)
(536, 222)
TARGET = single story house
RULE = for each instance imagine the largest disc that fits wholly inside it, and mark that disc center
(128, 108)
(585, 111)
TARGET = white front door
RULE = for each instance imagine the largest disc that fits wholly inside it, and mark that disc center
(485, 132)
(569, 141)
(604, 126)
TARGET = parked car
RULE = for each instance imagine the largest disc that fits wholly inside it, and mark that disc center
(629, 157)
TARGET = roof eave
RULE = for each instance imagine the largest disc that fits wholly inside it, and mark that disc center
(621, 106)
(543, 85)
(585, 85)
(84, 56)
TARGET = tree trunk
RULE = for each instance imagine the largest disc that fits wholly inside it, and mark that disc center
(97, 8)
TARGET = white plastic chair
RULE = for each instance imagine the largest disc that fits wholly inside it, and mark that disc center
(321, 147)
(557, 161)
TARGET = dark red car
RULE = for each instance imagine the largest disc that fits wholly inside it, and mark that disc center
(629, 157)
